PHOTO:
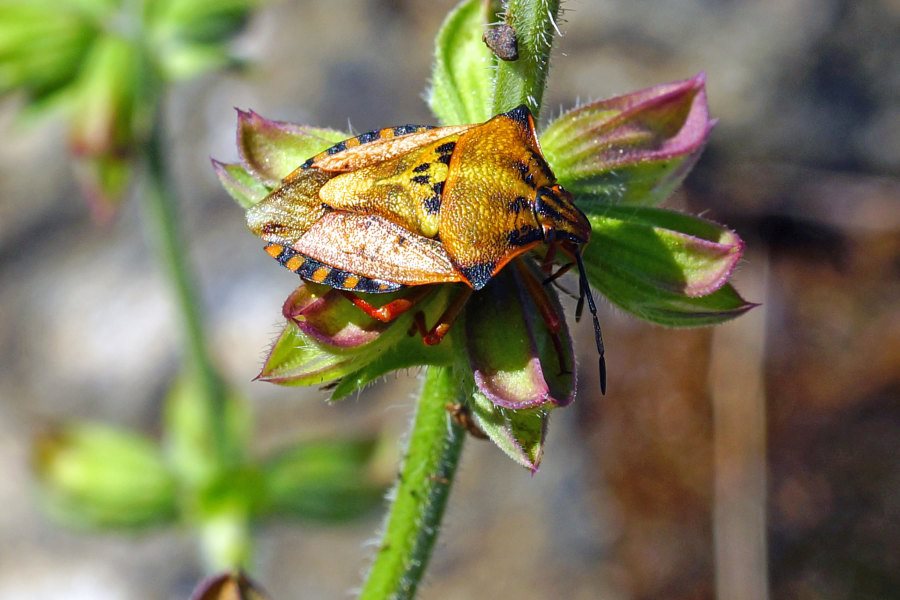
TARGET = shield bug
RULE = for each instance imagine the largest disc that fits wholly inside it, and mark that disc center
(414, 205)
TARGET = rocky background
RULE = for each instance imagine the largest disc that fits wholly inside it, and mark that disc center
(755, 460)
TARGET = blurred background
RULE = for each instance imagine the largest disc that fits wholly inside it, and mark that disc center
(755, 460)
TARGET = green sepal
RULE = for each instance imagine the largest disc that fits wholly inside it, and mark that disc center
(326, 481)
(271, 150)
(633, 149)
(461, 77)
(518, 433)
(93, 475)
(301, 357)
(409, 353)
(240, 184)
(297, 359)
(510, 348)
(663, 266)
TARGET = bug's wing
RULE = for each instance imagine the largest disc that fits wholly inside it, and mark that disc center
(405, 189)
(289, 211)
(378, 146)
(487, 212)
(373, 247)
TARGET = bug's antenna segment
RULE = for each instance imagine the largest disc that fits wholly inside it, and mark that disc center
(585, 292)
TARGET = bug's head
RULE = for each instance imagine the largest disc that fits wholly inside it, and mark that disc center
(559, 217)
(565, 224)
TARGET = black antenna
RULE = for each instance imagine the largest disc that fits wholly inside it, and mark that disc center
(584, 291)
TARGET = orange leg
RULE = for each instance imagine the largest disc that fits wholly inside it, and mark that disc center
(434, 336)
(389, 311)
(461, 414)
(548, 313)
(549, 256)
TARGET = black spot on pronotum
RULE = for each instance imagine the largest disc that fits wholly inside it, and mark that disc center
(525, 235)
(518, 205)
(438, 189)
(421, 179)
(422, 168)
(542, 164)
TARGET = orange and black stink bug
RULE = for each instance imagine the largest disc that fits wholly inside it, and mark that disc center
(416, 205)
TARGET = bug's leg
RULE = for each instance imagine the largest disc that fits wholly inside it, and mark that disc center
(549, 257)
(389, 311)
(548, 314)
(559, 273)
(433, 336)
(461, 414)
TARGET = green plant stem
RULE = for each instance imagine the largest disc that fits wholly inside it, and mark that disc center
(421, 493)
(436, 441)
(161, 209)
(522, 81)
(225, 535)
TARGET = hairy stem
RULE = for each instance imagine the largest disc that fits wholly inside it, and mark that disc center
(435, 441)
(421, 493)
(522, 81)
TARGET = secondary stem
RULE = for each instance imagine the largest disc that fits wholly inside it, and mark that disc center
(161, 209)
(421, 493)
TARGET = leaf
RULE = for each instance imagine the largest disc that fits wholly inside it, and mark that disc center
(271, 150)
(664, 266)
(461, 77)
(632, 149)
(325, 315)
(519, 433)
(97, 476)
(326, 480)
(240, 183)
